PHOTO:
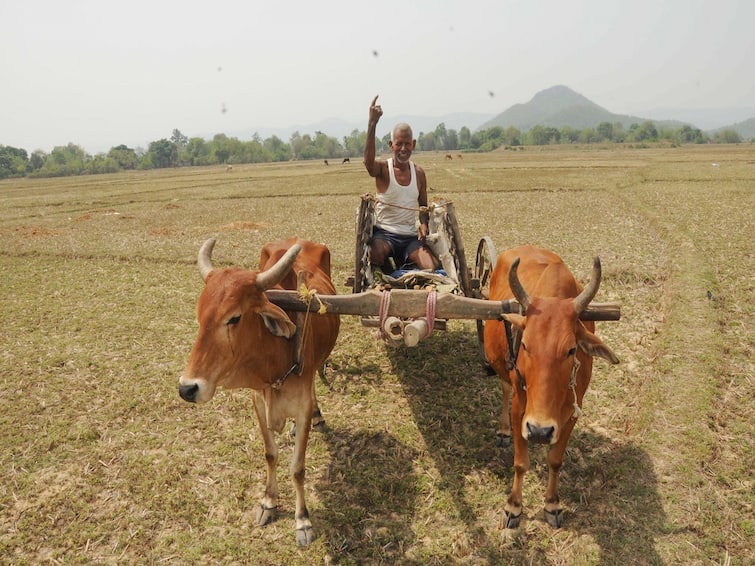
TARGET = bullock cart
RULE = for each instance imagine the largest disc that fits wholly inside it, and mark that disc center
(406, 305)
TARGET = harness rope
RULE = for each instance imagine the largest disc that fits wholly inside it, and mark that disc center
(306, 295)
(414, 208)
(573, 387)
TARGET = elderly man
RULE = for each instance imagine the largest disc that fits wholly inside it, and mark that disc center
(401, 188)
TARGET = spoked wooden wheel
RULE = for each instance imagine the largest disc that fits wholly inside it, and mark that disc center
(365, 220)
(484, 265)
(457, 250)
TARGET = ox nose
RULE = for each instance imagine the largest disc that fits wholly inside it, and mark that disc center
(188, 392)
(540, 434)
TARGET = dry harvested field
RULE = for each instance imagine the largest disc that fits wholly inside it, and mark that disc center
(103, 463)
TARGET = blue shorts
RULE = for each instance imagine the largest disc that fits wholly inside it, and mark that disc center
(401, 246)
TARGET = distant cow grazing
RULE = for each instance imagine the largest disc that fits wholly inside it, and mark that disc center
(550, 365)
(325, 161)
(229, 168)
(246, 341)
(449, 156)
(346, 160)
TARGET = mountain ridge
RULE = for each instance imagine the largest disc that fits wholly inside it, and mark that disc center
(557, 106)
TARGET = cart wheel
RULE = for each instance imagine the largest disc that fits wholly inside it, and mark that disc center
(484, 264)
(460, 261)
(365, 220)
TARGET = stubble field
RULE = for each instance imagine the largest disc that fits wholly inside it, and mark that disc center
(102, 462)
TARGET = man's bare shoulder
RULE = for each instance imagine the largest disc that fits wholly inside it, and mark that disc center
(420, 173)
(379, 168)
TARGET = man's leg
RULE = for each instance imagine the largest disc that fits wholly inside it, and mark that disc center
(380, 250)
(423, 258)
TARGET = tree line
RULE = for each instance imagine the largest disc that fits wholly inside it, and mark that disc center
(180, 151)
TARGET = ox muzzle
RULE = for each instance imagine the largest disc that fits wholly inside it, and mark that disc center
(195, 390)
(539, 434)
(189, 392)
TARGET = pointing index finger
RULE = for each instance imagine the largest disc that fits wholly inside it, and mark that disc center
(374, 100)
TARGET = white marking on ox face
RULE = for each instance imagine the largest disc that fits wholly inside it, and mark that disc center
(195, 389)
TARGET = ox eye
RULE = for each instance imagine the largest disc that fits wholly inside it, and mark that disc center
(234, 320)
(571, 352)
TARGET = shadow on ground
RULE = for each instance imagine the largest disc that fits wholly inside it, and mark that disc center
(368, 515)
(608, 487)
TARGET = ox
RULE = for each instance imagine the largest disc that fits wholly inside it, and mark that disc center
(545, 356)
(246, 341)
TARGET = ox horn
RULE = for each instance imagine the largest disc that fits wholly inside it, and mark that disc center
(516, 287)
(271, 277)
(589, 292)
(204, 258)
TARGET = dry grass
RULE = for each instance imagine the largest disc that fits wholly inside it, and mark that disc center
(103, 463)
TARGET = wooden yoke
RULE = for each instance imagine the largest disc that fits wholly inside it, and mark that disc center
(407, 303)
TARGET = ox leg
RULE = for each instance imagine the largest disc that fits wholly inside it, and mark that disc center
(318, 421)
(512, 512)
(269, 504)
(305, 534)
(553, 513)
(503, 436)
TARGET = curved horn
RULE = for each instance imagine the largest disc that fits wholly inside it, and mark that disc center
(589, 292)
(204, 258)
(516, 287)
(271, 277)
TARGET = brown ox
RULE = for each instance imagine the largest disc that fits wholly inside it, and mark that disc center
(550, 368)
(247, 341)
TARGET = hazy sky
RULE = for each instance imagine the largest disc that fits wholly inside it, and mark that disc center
(100, 73)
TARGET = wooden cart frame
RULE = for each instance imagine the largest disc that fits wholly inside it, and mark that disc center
(404, 314)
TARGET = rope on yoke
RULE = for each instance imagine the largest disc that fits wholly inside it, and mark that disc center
(385, 303)
(432, 298)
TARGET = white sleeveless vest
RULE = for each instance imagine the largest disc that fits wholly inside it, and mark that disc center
(392, 218)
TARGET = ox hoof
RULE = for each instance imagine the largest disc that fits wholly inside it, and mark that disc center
(509, 520)
(554, 518)
(305, 536)
(502, 440)
(265, 515)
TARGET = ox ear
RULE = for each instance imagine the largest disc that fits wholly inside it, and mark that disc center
(594, 346)
(277, 321)
(516, 319)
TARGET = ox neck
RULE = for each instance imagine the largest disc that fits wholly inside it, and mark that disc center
(297, 340)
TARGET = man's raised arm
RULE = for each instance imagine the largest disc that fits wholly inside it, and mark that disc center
(372, 166)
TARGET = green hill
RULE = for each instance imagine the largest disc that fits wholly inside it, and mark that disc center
(745, 129)
(560, 106)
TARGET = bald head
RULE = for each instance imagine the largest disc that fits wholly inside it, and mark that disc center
(400, 128)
